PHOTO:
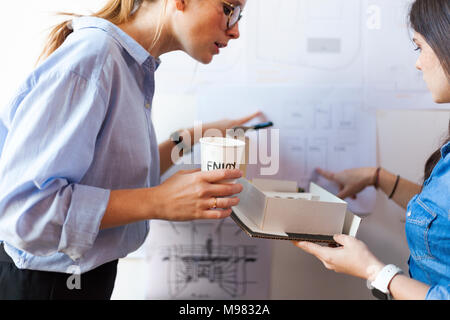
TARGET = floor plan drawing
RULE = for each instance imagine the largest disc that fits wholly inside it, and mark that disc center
(223, 265)
(206, 260)
(319, 127)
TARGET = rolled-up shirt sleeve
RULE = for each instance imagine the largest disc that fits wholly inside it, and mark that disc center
(438, 292)
(50, 144)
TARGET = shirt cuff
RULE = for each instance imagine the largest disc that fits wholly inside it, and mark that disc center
(82, 223)
(438, 292)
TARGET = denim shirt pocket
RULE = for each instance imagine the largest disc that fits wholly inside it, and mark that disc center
(419, 219)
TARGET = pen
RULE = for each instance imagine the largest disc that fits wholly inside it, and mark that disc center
(256, 127)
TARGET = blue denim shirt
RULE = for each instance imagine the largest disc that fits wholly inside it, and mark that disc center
(79, 127)
(428, 231)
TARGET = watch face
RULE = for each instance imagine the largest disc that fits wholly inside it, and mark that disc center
(379, 295)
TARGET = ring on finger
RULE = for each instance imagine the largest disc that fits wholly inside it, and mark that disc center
(215, 204)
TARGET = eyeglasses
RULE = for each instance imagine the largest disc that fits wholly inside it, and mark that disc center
(233, 12)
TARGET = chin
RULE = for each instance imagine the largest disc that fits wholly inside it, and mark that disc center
(205, 60)
(202, 58)
(441, 98)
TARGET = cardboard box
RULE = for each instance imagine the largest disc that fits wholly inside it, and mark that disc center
(274, 209)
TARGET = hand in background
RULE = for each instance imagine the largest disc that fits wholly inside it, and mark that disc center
(351, 181)
(191, 194)
(225, 124)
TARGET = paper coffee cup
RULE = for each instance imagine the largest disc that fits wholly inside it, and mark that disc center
(221, 153)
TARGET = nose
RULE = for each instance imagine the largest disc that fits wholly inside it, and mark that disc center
(233, 33)
(418, 64)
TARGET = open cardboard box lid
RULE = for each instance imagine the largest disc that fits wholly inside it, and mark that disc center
(273, 209)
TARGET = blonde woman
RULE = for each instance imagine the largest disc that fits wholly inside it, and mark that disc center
(80, 166)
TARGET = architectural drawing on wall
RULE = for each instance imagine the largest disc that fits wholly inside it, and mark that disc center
(304, 41)
(323, 118)
(317, 154)
(293, 116)
(342, 150)
(319, 127)
(308, 33)
(294, 153)
(347, 116)
(222, 265)
(206, 260)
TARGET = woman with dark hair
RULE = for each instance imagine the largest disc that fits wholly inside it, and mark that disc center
(427, 206)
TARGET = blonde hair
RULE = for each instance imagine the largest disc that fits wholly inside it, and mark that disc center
(115, 11)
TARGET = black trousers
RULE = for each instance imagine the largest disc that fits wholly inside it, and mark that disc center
(20, 284)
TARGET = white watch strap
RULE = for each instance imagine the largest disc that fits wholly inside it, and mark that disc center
(384, 277)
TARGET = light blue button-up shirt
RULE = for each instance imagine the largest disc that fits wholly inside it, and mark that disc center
(79, 127)
(428, 230)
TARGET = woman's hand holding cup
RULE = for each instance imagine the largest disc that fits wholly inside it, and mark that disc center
(193, 194)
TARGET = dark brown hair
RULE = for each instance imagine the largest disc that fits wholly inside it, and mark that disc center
(435, 157)
(431, 18)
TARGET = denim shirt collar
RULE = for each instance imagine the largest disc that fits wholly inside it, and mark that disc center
(128, 43)
(445, 150)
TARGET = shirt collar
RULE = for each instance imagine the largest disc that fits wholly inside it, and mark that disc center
(445, 150)
(128, 43)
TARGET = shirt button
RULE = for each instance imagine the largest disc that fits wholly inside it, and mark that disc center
(409, 213)
(147, 105)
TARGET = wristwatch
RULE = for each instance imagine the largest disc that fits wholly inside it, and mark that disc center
(381, 283)
(177, 139)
